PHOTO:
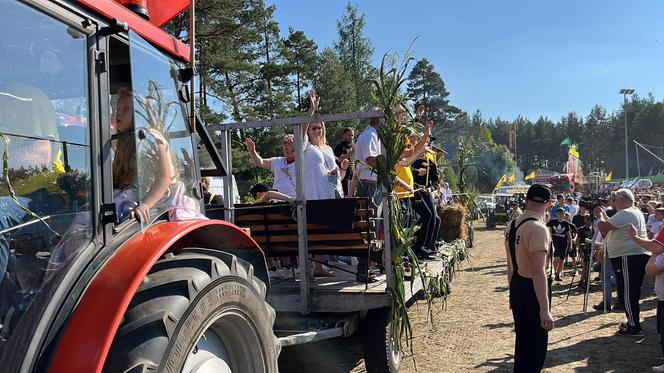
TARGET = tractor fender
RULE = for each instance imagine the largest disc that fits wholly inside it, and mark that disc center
(89, 333)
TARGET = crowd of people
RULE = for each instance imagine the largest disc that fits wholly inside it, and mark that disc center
(616, 234)
(348, 170)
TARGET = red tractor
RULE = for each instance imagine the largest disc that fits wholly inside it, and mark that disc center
(84, 289)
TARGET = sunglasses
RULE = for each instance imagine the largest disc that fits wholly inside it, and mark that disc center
(316, 128)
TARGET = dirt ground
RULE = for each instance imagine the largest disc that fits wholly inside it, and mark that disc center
(474, 332)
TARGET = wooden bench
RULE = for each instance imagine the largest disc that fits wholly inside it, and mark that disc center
(337, 227)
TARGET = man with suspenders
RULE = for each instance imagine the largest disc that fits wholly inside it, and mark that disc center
(527, 242)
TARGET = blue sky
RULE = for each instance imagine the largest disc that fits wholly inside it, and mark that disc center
(509, 58)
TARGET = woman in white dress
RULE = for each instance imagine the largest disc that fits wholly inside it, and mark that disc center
(322, 176)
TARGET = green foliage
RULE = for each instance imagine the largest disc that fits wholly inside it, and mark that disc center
(334, 84)
(355, 51)
(426, 87)
(600, 138)
(300, 54)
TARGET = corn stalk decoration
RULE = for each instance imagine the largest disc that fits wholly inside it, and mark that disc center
(389, 97)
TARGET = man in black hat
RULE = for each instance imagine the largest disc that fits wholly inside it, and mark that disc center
(527, 241)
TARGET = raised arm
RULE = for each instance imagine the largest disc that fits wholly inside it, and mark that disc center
(603, 225)
(314, 101)
(258, 161)
(425, 136)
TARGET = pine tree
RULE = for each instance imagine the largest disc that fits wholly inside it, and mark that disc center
(334, 85)
(355, 51)
(426, 87)
(300, 54)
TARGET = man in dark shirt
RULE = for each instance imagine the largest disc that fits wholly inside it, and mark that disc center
(561, 232)
(345, 150)
(579, 220)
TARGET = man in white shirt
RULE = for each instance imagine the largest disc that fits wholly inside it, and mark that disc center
(283, 168)
(367, 149)
(627, 258)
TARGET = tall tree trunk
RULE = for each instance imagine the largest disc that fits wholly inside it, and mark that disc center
(267, 60)
(297, 77)
(237, 113)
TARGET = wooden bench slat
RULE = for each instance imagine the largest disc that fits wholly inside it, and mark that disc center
(261, 217)
(316, 237)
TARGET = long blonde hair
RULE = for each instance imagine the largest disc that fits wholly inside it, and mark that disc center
(124, 163)
(323, 136)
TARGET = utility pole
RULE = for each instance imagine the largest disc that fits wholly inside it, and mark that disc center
(625, 92)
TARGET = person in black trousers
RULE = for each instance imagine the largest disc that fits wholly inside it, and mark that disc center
(527, 242)
(628, 259)
(425, 175)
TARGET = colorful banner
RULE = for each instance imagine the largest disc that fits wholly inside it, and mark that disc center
(530, 176)
(609, 176)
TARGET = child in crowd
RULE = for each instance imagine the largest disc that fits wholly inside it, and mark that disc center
(561, 237)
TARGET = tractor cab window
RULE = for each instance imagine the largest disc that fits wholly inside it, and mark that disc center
(154, 172)
(45, 187)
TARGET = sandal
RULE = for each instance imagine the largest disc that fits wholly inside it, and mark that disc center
(324, 273)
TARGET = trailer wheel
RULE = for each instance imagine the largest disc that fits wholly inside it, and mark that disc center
(381, 353)
(197, 311)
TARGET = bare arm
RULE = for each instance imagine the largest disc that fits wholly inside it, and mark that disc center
(538, 261)
(158, 188)
(343, 168)
(314, 101)
(509, 262)
(425, 137)
(408, 161)
(258, 161)
(650, 245)
(651, 268)
(404, 185)
(353, 185)
(271, 194)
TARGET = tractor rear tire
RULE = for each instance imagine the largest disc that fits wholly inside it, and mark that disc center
(197, 310)
(381, 353)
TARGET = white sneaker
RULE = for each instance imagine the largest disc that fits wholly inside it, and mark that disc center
(658, 368)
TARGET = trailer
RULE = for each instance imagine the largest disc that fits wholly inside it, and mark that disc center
(309, 311)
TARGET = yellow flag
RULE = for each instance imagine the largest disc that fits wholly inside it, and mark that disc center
(530, 176)
(512, 178)
(609, 176)
(573, 152)
(500, 182)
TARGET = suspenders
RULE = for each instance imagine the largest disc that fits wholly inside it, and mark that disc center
(512, 241)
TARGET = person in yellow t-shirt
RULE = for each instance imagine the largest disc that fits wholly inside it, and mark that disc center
(405, 183)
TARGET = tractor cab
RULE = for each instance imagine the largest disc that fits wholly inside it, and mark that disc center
(94, 130)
